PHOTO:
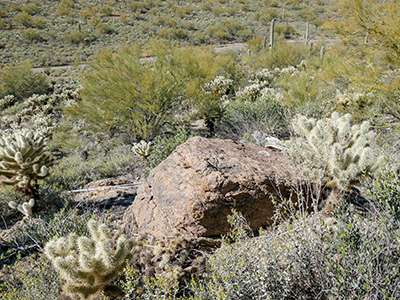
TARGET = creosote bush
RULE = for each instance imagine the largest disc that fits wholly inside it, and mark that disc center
(19, 80)
(347, 256)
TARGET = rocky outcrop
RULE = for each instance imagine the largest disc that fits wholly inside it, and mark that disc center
(193, 191)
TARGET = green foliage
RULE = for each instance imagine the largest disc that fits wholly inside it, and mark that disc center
(121, 91)
(88, 264)
(30, 279)
(76, 37)
(19, 80)
(32, 35)
(378, 20)
(73, 172)
(31, 9)
(23, 160)
(346, 257)
(8, 194)
(164, 145)
(384, 191)
(27, 20)
(265, 114)
(284, 55)
(103, 28)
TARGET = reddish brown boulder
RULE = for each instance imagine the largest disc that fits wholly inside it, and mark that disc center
(193, 191)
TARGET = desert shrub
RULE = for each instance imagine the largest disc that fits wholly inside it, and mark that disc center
(24, 19)
(286, 30)
(31, 9)
(183, 10)
(74, 171)
(29, 279)
(27, 20)
(8, 194)
(103, 28)
(107, 10)
(196, 68)
(283, 55)
(19, 80)
(384, 191)
(34, 277)
(121, 91)
(76, 37)
(34, 233)
(346, 257)
(147, 288)
(265, 114)
(32, 35)
(173, 33)
(38, 22)
(244, 34)
(157, 90)
(163, 146)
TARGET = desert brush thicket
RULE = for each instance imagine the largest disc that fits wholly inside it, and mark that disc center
(130, 104)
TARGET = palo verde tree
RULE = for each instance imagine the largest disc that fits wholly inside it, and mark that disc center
(122, 92)
(370, 31)
(372, 26)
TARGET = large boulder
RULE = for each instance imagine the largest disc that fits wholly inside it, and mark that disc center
(193, 191)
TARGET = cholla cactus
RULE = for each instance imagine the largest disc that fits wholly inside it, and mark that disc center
(25, 208)
(334, 151)
(23, 160)
(7, 101)
(88, 264)
(143, 149)
(219, 86)
(261, 83)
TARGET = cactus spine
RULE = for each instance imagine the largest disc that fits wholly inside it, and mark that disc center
(334, 151)
(88, 264)
(272, 34)
(23, 160)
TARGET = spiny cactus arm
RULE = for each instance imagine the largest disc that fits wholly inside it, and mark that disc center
(25, 208)
(8, 173)
(41, 172)
(85, 291)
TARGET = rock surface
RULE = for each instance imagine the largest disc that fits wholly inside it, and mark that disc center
(193, 191)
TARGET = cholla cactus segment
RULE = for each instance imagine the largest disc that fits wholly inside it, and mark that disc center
(25, 208)
(23, 159)
(143, 149)
(334, 150)
(88, 264)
